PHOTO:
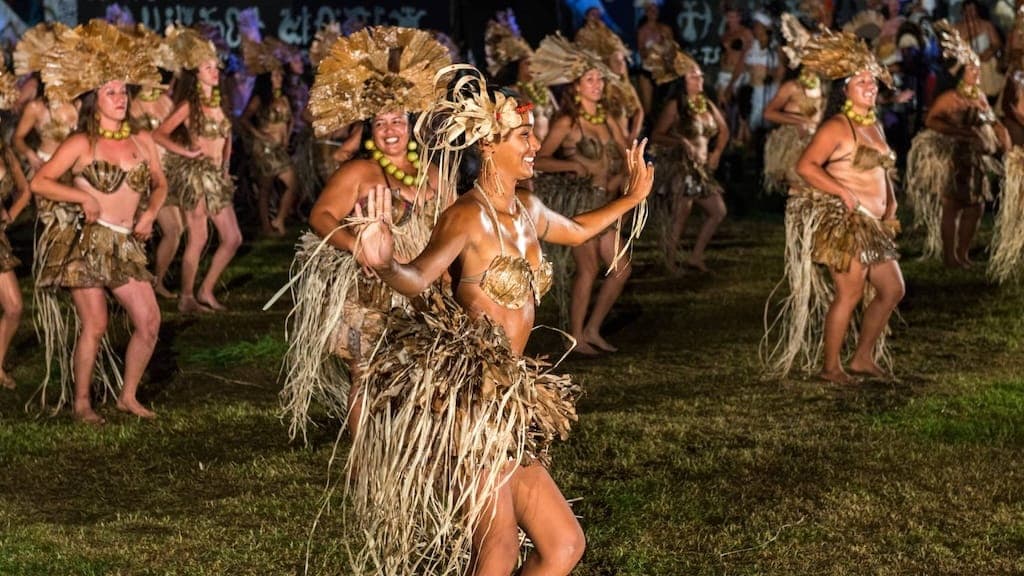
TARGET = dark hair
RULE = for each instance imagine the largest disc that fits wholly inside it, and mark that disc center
(263, 88)
(836, 99)
(186, 89)
(508, 75)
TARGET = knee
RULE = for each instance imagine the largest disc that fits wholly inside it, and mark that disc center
(197, 237)
(563, 556)
(623, 271)
(232, 241)
(93, 328)
(891, 296)
(14, 310)
(148, 327)
(718, 215)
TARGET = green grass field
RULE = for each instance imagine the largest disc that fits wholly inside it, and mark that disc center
(684, 460)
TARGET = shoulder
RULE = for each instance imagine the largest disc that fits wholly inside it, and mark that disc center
(463, 216)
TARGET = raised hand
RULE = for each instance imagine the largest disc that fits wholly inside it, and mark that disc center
(641, 172)
(375, 245)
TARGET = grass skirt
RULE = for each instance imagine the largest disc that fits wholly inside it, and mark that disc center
(8, 261)
(568, 195)
(1007, 248)
(448, 410)
(93, 256)
(821, 234)
(679, 175)
(782, 149)
(58, 241)
(189, 179)
(269, 159)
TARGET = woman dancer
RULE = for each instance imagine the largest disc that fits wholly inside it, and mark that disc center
(621, 99)
(197, 165)
(686, 127)
(12, 182)
(797, 108)
(271, 132)
(844, 217)
(582, 143)
(114, 172)
(952, 165)
(487, 478)
(339, 308)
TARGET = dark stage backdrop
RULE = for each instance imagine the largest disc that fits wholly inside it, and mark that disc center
(294, 22)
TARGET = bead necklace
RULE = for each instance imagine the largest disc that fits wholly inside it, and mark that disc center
(861, 119)
(697, 104)
(968, 91)
(213, 101)
(391, 168)
(120, 134)
(277, 93)
(534, 93)
(598, 118)
(808, 79)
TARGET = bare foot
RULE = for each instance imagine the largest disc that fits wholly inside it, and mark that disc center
(595, 339)
(697, 265)
(584, 349)
(163, 292)
(278, 228)
(868, 369)
(133, 407)
(6, 381)
(836, 377)
(88, 416)
(189, 305)
(210, 302)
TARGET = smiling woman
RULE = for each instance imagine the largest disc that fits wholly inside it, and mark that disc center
(116, 173)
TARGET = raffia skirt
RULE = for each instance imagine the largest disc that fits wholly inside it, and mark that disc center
(270, 159)
(448, 411)
(679, 175)
(782, 149)
(821, 234)
(8, 261)
(96, 255)
(190, 179)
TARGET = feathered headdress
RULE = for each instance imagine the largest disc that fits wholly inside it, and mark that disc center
(666, 61)
(558, 61)
(190, 48)
(325, 37)
(503, 42)
(796, 37)
(866, 24)
(149, 40)
(598, 38)
(34, 45)
(953, 45)
(8, 89)
(836, 55)
(375, 70)
(90, 55)
(261, 57)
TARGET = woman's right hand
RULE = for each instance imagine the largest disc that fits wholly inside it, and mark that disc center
(193, 153)
(641, 172)
(91, 209)
(850, 200)
(580, 170)
(374, 241)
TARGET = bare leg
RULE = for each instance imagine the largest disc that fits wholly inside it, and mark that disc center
(288, 198)
(849, 288)
(950, 213)
(680, 214)
(969, 218)
(139, 301)
(714, 208)
(646, 93)
(171, 227)
(91, 305)
(532, 500)
(585, 256)
(610, 291)
(10, 300)
(887, 279)
(230, 238)
(263, 204)
(195, 242)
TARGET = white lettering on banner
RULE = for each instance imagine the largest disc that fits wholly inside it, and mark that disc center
(408, 16)
(694, 20)
(710, 55)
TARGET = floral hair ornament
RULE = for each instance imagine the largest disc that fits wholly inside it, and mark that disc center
(88, 56)
(954, 47)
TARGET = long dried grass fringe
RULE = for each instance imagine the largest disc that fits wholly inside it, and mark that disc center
(57, 325)
(930, 172)
(448, 412)
(794, 336)
(1007, 248)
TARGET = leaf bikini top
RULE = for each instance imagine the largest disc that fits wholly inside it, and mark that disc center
(510, 280)
(107, 177)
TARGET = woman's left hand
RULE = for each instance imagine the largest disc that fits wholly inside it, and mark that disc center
(143, 226)
(714, 159)
(641, 172)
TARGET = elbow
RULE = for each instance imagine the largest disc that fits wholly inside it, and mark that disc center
(804, 168)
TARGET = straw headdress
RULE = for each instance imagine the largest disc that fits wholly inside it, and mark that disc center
(378, 69)
(34, 45)
(155, 43)
(836, 55)
(325, 37)
(666, 61)
(953, 45)
(261, 57)
(190, 47)
(503, 42)
(866, 24)
(796, 37)
(559, 61)
(8, 89)
(598, 38)
(88, 56)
